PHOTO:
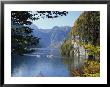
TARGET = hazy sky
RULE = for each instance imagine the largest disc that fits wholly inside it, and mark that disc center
(60, 21)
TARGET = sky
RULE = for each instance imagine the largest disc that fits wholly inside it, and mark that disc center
(60, 21)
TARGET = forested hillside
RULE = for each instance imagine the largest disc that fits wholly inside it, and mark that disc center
(85, 34)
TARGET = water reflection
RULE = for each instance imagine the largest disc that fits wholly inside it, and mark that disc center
(73, 62)
(42, 63)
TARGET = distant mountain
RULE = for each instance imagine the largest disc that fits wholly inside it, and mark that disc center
(51, 37)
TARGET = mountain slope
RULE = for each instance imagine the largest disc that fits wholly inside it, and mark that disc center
(51, 37)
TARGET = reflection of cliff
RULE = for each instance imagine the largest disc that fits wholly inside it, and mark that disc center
(51, 37)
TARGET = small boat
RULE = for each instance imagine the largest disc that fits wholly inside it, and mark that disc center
(38, 56)
(50, 56)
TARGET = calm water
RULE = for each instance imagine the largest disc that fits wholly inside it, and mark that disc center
(44, 62)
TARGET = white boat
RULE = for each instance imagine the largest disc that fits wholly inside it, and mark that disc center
(38, 56)
(50, 56)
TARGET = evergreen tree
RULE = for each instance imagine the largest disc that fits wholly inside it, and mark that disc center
(21, 35)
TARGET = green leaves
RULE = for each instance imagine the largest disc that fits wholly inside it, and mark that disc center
(22, 39)
(66, 48)
(91, 69)
(92, 49)
(87, 26)
(21, 17)
(26, 17)
(86, 33)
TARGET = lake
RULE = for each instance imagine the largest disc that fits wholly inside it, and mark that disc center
(44, 62)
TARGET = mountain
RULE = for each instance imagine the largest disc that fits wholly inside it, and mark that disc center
(51, 37)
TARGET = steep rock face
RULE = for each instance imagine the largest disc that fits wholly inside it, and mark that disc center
(51, 37)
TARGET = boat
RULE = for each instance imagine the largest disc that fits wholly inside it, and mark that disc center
(38, 56)
(50, 56)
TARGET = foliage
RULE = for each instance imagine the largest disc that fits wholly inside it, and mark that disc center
(86, 30)
(87, 27)
(22, 38)
(89, 69)
(86, 33)
(76, 73)
(26, 17)
(66, 48)
(21, 18)
(49, 14)
(92, 50)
